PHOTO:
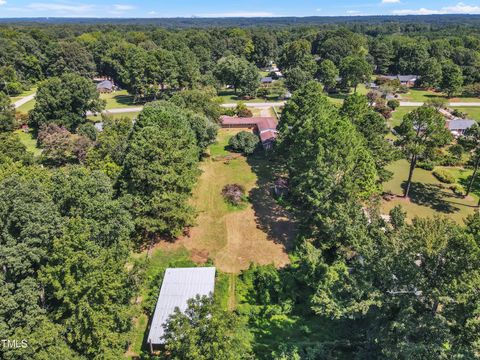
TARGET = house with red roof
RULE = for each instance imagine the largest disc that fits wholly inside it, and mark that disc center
(265, 127)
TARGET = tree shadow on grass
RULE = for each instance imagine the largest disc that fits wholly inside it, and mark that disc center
(124, 99)
(433, 196)
(271, 218)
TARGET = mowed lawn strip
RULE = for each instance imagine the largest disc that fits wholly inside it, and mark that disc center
(429, 197)
(235, 237)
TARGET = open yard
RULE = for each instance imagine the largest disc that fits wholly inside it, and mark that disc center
(428, 196)
(261, 232)
(23, 94)
(419, 95)
(473, 112)
(29, 141)
(118, 99)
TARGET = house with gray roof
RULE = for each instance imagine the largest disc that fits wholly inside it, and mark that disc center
(458, 126)
(407, 80)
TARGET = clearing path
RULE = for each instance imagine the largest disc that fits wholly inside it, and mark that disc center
(24, 100)
(262, 232)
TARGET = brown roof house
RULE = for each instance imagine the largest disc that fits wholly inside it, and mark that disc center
(266, 127)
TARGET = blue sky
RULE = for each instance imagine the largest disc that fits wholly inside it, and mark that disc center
(223, 8)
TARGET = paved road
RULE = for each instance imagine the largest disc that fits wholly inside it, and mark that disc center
(256, 105)
(24, 100)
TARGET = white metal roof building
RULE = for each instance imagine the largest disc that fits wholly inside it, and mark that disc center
(179, 285)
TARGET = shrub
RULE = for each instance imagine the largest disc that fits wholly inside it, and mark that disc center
(426, 165)
(472, 90)
(244, 142)
(458, 113)
(234, 193)
(393, 104)
(444, 176)
(242, 111)
(457, 189)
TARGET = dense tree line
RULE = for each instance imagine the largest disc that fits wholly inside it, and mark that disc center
(71, 215)
(147, 61)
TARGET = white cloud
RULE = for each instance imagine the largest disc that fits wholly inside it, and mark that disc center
(460, 8)
(239, 14)
(2, 2)
(390, 1)
(123, 7)
(152, 13)
(353, 12)
(61, 8)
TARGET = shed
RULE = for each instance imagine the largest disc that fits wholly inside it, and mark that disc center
(178, 286)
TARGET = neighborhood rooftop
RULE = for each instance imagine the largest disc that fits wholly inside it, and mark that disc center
(179, 285)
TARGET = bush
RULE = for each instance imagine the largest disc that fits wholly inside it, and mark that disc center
(459, 114)
(234, 193)
(457, 189)
(242, 111)
(472, 90)
(244, 142)
(444, 176)
(426, 165)
(393, 104)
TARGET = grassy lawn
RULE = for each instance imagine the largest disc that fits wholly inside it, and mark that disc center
(29, 141)
(473, 112)
(428, 196)
(130, 115)
(419, 95)
(229, 97)
(338, 98)
(25, 108)
(397, 115)
(118, 99)
(234, 237)
(23, 94)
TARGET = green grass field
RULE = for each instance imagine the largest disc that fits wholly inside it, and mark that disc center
(473, 112)
(428, 196)
(229, 97)
(130, 115)
(118, 99)
(419, 95)
(29, 141)
(397, 115)
(25, 108)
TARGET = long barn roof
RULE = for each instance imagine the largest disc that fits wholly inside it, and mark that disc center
(179, 285)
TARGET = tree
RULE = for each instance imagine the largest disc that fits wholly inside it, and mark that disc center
(244, 141)
(205, 332)
(327, 74)
(65, 101)
(265, 48)
(239, 73)
(419, 303)
(7, 114)
(355, 70)
(452, 80)
(471, 141)
(57, 145)
(12, 149)
(70, 57)
(160, 170)
(298, 54)
(431, 73)
(421, 131)
(329, 166)
(373, 128)
(202, 101)
(9, 82)
(295, 78)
